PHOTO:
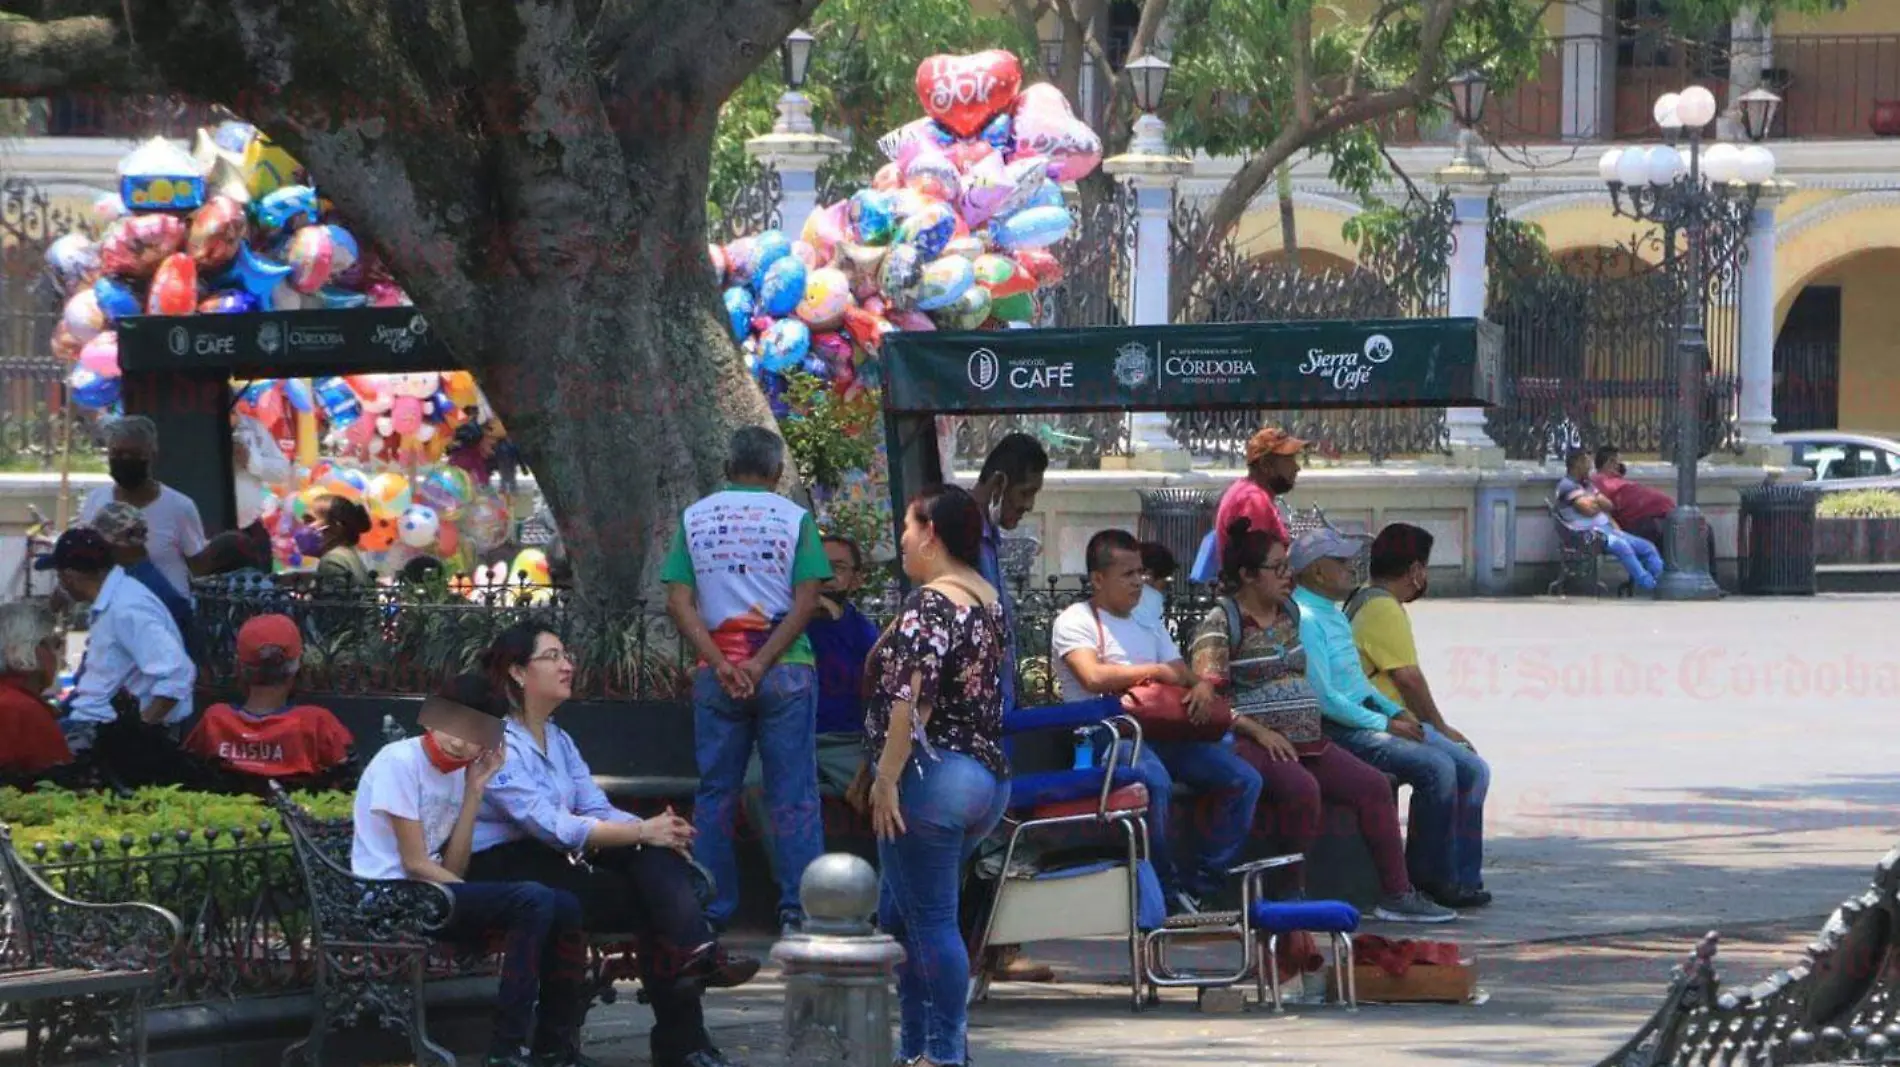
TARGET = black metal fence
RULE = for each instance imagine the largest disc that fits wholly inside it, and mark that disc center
(33, 401)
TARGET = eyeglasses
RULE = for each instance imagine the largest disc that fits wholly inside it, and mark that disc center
(553, 655)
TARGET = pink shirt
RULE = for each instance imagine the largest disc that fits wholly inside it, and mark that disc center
(1245, 499)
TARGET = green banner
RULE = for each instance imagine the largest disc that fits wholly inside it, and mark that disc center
(1396, 363)
(284, 344)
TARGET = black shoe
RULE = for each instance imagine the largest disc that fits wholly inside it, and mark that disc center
(706, 1057)
(1458, 897)
(510, 1058)
(715, 968)
(563, 1059)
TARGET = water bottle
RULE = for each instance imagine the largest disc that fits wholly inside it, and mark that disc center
(1084, 748)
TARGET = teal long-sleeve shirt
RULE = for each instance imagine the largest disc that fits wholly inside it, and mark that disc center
(1346, 697)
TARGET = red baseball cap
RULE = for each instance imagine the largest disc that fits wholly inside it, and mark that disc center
(268, 631)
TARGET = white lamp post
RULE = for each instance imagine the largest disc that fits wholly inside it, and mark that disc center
(1471, 183)
(1686, 192)
(1154, 172)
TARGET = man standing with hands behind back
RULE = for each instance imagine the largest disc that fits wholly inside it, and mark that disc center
(742, 581)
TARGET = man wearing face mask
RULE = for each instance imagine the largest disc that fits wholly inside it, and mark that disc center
(174, 532)
(1273, 465)
(1446, 861)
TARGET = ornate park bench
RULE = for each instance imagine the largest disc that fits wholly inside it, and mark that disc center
(375, 943)
(78, 970)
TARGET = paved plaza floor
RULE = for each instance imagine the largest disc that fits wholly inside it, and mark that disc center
(1659, 770)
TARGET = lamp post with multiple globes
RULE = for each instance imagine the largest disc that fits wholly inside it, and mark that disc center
(1702, 193)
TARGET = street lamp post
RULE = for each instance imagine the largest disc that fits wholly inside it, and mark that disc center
(1684, 194)
(795, 147)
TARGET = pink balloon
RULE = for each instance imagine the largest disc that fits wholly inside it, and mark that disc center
(888, 177)
(808, 255)
(1045, 125)
(824, 229)
(912, 319)
(904, 142)
(985, 188)
(101, 355)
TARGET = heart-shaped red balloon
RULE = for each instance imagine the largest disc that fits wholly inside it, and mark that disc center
(965, 92)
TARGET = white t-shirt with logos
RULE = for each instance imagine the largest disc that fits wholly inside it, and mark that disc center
(402, 782)
(1122, 640)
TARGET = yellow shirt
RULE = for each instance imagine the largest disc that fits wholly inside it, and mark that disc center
(1384, 636)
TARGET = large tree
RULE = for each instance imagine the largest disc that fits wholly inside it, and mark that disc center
(534, 174)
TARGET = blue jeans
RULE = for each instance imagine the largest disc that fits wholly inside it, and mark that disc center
(543, 964)
(780, 720)
(1444, 843)
(1637, 556)
(1232, 787)
(949, 804)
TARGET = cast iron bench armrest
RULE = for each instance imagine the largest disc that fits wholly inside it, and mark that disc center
(75, 934)
(399, 912)
(59, 983)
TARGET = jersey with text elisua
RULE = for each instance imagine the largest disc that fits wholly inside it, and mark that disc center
(292, 743)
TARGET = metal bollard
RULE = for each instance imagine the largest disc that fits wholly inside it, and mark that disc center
(838, 971)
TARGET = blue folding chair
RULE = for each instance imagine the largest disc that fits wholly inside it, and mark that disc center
(1092, 900)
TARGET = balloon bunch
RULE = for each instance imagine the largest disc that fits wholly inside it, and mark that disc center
(954, 232)
(439, 511)
(229, 228)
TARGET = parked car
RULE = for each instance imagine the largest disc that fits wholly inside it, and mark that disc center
(1841, 460)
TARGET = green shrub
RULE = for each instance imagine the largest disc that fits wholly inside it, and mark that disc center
(1860, 504)
(53, 816)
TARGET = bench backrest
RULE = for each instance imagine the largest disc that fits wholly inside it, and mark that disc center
(345, 909)
(40, 927)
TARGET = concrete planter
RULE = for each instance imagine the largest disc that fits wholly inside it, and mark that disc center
(1851, 541)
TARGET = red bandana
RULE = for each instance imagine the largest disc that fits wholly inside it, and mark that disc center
(439, 759)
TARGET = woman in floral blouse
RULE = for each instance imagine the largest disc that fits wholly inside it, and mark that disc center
(1276, 713)
(933, 731)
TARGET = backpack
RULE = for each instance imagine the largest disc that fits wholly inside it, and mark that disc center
(1362, 596)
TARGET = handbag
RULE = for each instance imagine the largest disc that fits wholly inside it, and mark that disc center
(1161, 708)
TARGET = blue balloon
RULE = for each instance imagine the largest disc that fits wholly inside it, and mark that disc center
(773, 386)
(1036, 227)
(297, 392)
(255, 391)
(782, 286)
(1048, 194)
(116, 299)
(228, 302)
(340, 403)
(816, 366)
(873, 215)
(280, 207)
(91, 390)
(785, 346)
(255, 275)
(1000, 133)
(739, 309)
(770, 247)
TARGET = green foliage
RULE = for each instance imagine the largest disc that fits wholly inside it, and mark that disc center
(862, 77)
(52, 816)
(829, 436)
(1860, 504)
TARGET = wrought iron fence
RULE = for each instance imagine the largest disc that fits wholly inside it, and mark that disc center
(1095, 290)
(1590, 345)
(32, 381)
(752, 209)
(1404, 275)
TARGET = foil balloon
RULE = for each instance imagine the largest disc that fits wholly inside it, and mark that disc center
(1041, 265)
(1027, 177)
(1049, 195)
(286, 298)
(769, 247)
(92, 391)
(1046, 126)
(216, 232)
(739, 307)
(137, 244)
(418, 526)
(160, 176)
(256, 275)
(806, 254)
(386, 295)
(784, 346)
(964, 93)
(742, 259)
(929, 229)
(71, 257)
(65, 345)
(968, 312)
(943, 282)
(986, 186)
(816, 366)
(298, 394)
(312, 258)
(827, 294)
(862, 264)
(83, 318)
(911, 319)
(873, 216)
(718, 257)
(898, 278)
(287, 208)
(782, 286)
(866, 328)
(824, 231)
(1018, 308)
(116, 298)
(446, 488)
(228, 302)
(107, 208)
(1000, 134)
(901, 144)
(174, 289)
(967, 247)
(931, 173)
(334, 298)
(888, 177)
(834, 348)
(1002, 276)
(101, 355)
(339, 401)
(1032, 228)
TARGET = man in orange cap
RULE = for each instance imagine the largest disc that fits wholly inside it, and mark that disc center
(1273, 465)
(268, 736)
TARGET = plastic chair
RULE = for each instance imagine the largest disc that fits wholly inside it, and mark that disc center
(1093, 901)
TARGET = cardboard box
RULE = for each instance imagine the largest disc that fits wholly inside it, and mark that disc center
(1421, 984)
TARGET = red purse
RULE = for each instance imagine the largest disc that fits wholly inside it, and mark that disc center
(1162, 710)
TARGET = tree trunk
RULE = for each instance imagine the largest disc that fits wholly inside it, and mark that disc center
(1289, 230)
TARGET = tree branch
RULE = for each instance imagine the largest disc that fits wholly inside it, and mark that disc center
(1153, 14)
(37, 58)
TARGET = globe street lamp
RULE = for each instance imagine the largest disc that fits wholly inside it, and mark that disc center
(1703, 194)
